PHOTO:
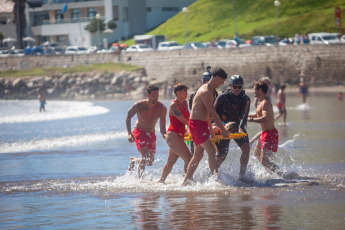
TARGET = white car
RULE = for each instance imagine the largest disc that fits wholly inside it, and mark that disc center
(139, 48)
(171, 45)
(75, 50)
(111, 50)
(323, 38)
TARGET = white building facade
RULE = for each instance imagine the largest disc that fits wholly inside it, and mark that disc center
(49, 23)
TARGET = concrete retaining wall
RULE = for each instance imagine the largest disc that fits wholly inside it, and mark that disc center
(284, 64)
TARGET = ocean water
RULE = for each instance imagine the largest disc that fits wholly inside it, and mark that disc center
(66, 168)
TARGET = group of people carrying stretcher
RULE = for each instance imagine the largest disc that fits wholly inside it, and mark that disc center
(211, 117)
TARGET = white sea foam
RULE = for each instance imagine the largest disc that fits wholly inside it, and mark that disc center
(27, 111)
(54, 143)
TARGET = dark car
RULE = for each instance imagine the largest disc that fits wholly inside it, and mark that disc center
(37, 50)
(263, 40)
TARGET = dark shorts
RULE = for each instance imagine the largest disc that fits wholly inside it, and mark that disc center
(223, 145)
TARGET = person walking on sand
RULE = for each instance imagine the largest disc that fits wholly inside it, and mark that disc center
(281, 99)
(179, 117)
(233, 106)
(303, 89)
(148, 112)
(268, 141)
(41, 99)
(198, 124)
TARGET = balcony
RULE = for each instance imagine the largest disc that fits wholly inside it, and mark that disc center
(47, 2)
(67, 20)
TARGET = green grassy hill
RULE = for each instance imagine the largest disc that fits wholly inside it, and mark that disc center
(210, 20)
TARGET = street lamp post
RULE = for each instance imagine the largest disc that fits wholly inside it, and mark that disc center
(98, 17)
(235, 23)
(185, 11)
(277, 4)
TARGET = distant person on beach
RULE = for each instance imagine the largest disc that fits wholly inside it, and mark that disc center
(303, 89)
(340, 96)
(205, 77)
(148, 112)
(41, 99)
(202, 108)
(281, 99)
(233, 106)
(179, 117)
(268, 141)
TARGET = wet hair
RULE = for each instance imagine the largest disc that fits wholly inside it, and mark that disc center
(264, 79)
(179, 87)
(282, 86)
(261, 85)
(151, 88)
(219, 72)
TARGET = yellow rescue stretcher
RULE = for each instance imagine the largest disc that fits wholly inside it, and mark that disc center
(219, 137)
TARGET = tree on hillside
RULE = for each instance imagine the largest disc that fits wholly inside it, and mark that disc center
(96, 25)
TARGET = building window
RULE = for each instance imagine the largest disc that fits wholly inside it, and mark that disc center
(75, 13)
(125, 14)
(61, 38)
(91, 12)
(116, 13)
(170, 9)
(58, 15)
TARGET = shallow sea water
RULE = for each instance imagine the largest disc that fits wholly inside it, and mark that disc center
(67, 169)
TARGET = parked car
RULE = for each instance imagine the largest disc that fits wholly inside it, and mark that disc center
(37, 50)
(323, 38)
(170, 45)
(75, 50)
(111, 50)
(92, 49)
(139, 48)
(194, 45)
(263, 40)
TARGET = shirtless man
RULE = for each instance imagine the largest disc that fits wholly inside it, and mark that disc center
(268, 141)
(268, 83)
(281, 103)
(148, 112)
(202, 108)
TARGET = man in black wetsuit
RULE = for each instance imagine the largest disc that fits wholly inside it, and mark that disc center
(233, 106)
(205, 77)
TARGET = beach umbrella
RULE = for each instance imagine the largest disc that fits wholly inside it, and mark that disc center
(29, 39)
(9, 40)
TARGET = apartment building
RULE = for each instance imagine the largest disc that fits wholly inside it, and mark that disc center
(64, 21)
(7, 23)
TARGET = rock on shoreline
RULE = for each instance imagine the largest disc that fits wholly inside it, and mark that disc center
(76, 86)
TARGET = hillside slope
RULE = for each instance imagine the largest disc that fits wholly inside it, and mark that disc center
(212, 20)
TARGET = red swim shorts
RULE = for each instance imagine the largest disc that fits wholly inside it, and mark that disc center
(199, 131)
(143, 139)
(269, 140)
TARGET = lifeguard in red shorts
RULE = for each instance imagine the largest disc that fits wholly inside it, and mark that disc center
(148, 112)
(268, 141)
(198, 124)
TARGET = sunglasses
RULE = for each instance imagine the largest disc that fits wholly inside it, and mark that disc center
(237, 86)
